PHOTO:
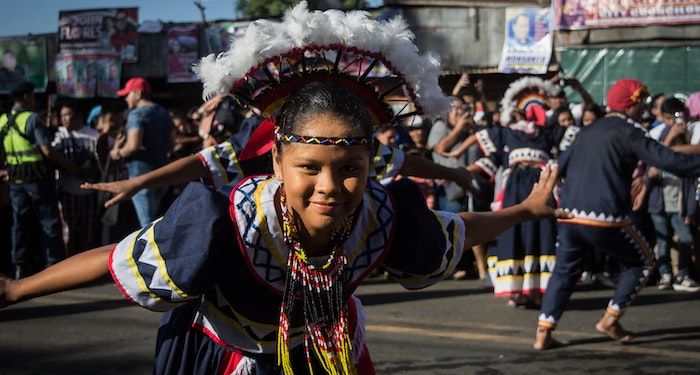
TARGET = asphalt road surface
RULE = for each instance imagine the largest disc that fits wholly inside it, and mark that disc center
(455, 327)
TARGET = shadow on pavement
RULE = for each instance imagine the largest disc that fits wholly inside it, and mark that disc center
(646, 337)
(405, 296)
(37, 312)
(600, 303)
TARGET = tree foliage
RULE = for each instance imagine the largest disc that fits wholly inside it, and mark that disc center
(252, 9)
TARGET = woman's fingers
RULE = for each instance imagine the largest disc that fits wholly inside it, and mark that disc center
(561, 214)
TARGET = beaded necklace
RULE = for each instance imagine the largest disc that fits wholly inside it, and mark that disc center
(321, 288)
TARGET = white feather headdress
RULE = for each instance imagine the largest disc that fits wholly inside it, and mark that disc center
(255, 64)
(517, 88)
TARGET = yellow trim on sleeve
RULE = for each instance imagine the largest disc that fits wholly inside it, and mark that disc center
(150, 235)
(222, 170)
(264, 229)
(233, 157)
(135, 270)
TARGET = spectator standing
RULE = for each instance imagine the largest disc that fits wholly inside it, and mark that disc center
(78, 145)
(32, 191)
(672, 203)
(443, 136)
(149, 137)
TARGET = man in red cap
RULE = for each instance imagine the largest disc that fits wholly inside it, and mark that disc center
(150, 135)
(598, 171)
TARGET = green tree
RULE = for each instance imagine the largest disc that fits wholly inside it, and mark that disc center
(252, 9)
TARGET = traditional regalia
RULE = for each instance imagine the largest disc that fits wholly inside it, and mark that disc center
(597, 173)
(241, 295)
(522, 257)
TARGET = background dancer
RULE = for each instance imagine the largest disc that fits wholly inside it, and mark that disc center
(597, 172)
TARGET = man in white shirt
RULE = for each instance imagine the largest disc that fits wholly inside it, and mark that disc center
(78, 144)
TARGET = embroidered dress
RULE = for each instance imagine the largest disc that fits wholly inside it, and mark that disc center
(521, 258)
(217, 265)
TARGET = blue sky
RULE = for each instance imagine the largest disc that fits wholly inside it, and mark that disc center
(20, 17)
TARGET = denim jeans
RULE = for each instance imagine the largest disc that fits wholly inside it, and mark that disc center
(146, 201)
(665, 225)
(29, 199)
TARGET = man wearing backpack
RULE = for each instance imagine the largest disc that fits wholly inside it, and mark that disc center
(32, 182)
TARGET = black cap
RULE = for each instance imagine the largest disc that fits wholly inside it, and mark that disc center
(22, 87)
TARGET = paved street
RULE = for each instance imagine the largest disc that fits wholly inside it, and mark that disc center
(452, 328)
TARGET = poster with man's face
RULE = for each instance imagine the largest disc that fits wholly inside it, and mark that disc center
(23, 59)
(99, 31)
(528, 41)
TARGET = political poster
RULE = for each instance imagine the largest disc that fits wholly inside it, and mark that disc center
(23, 59)
(183, 52)
(527, 47)
(108, 76)
(99, 31)
(589, 14)
(87, 77)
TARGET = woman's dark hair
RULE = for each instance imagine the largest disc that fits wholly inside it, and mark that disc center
(554, 118)
(672, 105)
(595, 109)
(321, 97)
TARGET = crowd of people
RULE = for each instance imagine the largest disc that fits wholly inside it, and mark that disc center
(49, 156)
(629, 176)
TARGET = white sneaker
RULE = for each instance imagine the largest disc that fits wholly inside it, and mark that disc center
(665, 282)
(686, 285)
(586, 279)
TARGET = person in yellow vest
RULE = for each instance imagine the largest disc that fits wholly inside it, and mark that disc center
(26, 145)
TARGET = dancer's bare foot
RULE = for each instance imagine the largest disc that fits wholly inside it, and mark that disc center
(544, 340)
(610, 326)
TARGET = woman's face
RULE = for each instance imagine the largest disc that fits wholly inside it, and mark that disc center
(323, 184)
(565, 119)
(588, 118)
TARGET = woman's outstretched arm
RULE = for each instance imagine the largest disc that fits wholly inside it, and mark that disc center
(79, 270)
(180, 171)
(485, 226)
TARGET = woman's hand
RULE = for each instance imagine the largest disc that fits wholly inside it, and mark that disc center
(6, 291)
(121, 190)
(540, 203)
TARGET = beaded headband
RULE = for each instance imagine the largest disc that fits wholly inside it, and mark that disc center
(328, 141)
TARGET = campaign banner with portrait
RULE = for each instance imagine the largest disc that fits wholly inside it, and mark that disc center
(183, 52)
(589, 14)
(99, 31)
(108, 76)
(527, 47)
(23, 59)
(87, 76)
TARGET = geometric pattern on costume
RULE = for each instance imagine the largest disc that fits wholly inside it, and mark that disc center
(222, 163)
(527, 155)
(142, 277)
(488, 167)
(454, 233)
(527, 275)
(386, 163)
(569, 136)
(266, 252)
(485, 143)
